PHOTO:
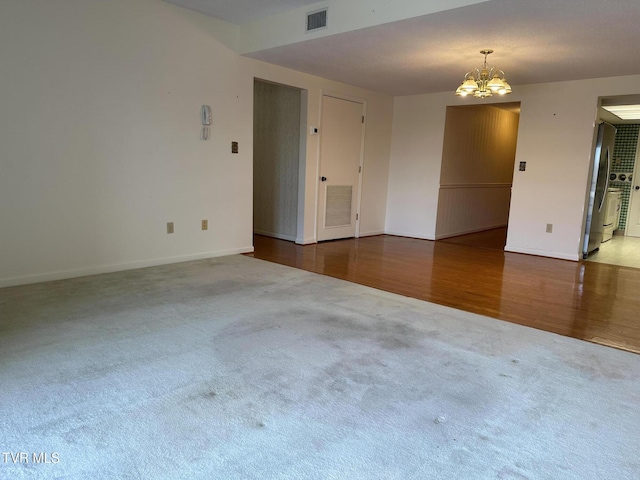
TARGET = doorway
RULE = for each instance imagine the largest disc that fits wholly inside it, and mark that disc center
(623, 246)
(341, 155)
(477, 169)
(279, 154)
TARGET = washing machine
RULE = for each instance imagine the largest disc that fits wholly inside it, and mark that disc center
(612, 206)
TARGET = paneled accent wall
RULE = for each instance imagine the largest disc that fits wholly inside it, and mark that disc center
(472, 208)
(624, 158)
(276, 160)
(477, 169)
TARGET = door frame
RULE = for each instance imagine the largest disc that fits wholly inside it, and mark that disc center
(363, 102)
(302, 156)
(443, 207)
(636, 181)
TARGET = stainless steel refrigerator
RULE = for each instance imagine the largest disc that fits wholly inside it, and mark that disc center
(603, 156)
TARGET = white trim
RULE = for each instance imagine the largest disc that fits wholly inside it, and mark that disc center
(409, 235)
(467, 232)
(542, 253)
(361, 167)
(83, 272)
(636, 172)
(280, 236)
(341, 96)
(302, 163)
(306, 241)
(317, 174)
(372, 233)
(475, 185)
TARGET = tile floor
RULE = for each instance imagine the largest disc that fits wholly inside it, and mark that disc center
(620, 250)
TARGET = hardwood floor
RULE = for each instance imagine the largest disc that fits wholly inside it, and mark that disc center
(586, 300)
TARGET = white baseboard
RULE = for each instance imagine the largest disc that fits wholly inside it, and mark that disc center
(83, 272)
(306, 241)
(371, 233)
(280, 236)
(542, 253)
(467, 232)
(408, 235)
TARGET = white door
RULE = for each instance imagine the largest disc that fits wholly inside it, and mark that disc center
(633, 214)
(341, 134)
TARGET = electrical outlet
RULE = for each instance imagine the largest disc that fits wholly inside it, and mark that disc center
(169, 227)
(549, 227)
(205, 224)
(234, 147)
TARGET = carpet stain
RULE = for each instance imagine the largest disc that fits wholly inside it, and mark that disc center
(173, 371)
(393, 343)
(432, 333)
(509, 474)
(460, 455)
(593, 368)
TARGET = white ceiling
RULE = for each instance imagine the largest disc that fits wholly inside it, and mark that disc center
(241, 11)
(535, 41)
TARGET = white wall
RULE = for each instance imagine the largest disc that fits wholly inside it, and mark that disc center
(100, 147)
(100, 139)
(414, 167)
(555, 139)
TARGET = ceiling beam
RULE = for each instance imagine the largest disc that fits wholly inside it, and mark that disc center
(343, 16)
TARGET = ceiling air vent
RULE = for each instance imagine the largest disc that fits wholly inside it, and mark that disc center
(317, 20)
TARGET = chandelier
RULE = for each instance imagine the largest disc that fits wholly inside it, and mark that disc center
(485, 82)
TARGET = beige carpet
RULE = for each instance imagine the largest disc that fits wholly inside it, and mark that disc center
(234, 368)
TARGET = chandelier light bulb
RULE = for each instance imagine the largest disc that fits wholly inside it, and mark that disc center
(461, 92)
(469, 85)
(495, 84)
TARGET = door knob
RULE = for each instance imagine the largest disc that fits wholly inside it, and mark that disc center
(324, 179)
(637, 187)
